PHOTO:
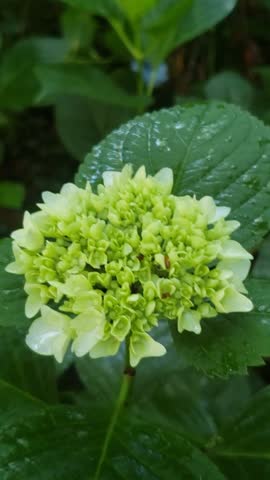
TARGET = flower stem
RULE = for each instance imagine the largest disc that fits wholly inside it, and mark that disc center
(127, 381)
(135, 52)
(151, 84)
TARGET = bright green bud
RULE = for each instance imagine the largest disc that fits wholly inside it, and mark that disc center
(119, 260)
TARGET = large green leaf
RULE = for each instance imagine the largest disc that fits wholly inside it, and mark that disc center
(102, 377)
(25, 369)
(250, 432)
(14, 403)
(229, 344)
(135, 10)
(78, 28)
(162, 25)
(64, 442)
(105, 8)
(243, 448)
(82, 123)
(18, 365)
(12, 296)
(18, 83)
(84, 80)
(261, 267)
(164, 14)
(187, 20)
(214, 149)
(201, 17)
(162, 385)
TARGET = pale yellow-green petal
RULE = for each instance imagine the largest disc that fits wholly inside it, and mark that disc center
(105, 348)
(89, 329)
(50, 334)
(190, 321)
(233, 249)
(239, 266)
(140, 174)
(165, 178)
(110, 177)
(222, 212)
(23, 261)
(233, 301)
(34, 301)
(142, 346)
(208, 208)
(30, 236)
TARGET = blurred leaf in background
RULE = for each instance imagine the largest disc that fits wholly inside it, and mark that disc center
(230, 87)
(81, 123)
(19, 85)
(11, 194)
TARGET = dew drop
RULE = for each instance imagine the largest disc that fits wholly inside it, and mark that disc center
(179, 125)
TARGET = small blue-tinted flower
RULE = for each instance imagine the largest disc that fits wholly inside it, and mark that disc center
(161, 72)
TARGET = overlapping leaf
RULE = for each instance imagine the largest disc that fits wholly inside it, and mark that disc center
(82, 123)
(18, 83)
(57, 442)
(243, 448)
(105, 8)
(188, 19)
(231, 87)
(25, 369)
(229, 344)
(65, 442)
(12, 296)
(213, 149)
(84, 80)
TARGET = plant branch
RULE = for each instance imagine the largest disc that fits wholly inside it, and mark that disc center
(135, 52)
(127, 381)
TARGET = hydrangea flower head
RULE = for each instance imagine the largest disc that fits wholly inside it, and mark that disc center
(107, 266)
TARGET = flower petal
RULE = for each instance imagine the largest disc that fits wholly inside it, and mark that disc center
(190, 321)
(239, 266)
(109, 178)
(30, 236)
(141, 346)
(233, 249)
(34, 301)
(233, 301)
(89, 328)
(105, 348)
(50, 334)
(165, 178)
(23, 261)
(208, 208)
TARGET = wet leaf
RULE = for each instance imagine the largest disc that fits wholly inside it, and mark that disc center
(12, 296)
(228, 344)
(214, 149)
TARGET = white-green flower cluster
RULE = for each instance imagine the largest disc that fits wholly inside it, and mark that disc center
(106, 266)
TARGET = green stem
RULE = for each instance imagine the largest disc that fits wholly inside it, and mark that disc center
(140, 85)
(127, 381)
(135, 52)
(151, 83)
